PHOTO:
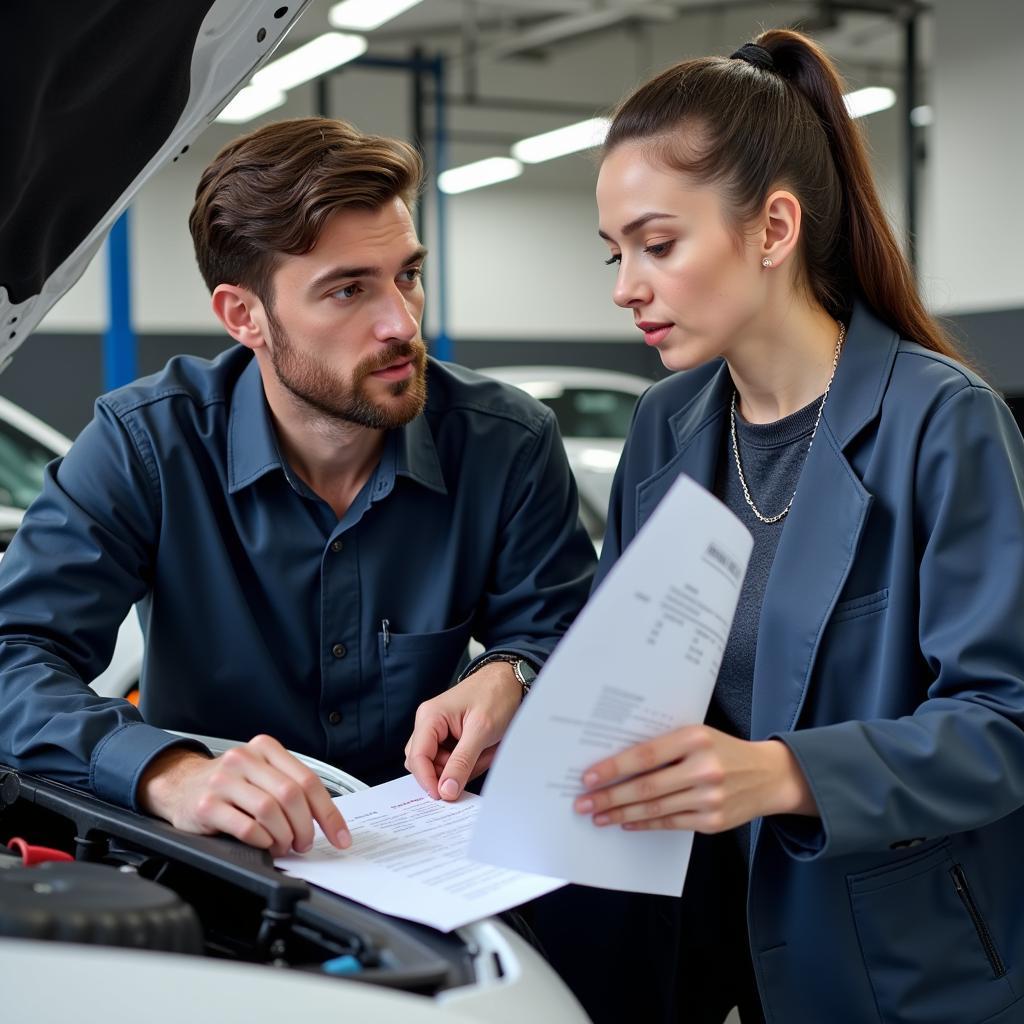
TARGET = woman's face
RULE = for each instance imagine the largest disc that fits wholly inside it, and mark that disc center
(692, 286)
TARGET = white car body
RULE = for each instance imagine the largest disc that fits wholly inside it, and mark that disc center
(512, 979)
(122, 674)
(594, 453)
(511, 982)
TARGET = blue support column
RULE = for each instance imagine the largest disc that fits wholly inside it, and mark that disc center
(442, 343)
(119, 355)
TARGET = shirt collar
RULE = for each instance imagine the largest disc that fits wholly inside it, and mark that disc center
(253, 450)
(252, 444)
(417, 456)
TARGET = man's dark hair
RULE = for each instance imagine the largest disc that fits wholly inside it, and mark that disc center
(270, 193)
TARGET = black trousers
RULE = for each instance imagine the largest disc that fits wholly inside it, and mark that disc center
(715, 971)
(656, 959)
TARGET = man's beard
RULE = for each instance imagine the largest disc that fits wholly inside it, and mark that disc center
(320, 388)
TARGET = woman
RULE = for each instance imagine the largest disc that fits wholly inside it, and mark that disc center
(857, 787)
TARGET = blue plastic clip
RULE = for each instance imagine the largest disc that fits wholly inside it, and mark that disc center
(347, 964)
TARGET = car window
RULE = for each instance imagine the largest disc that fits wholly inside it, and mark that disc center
(22, 461)
(592, 412)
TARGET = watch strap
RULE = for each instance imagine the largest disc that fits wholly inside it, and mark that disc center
(524, 678)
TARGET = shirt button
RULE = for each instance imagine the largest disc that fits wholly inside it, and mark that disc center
(336, 546)
(339, 650)
(334, 717)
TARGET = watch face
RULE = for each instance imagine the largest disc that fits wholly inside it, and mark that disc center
(525, 672)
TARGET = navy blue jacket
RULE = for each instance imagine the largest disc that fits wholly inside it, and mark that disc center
(263, 612)
(890, 659)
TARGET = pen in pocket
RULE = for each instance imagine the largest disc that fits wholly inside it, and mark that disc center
(385, 628)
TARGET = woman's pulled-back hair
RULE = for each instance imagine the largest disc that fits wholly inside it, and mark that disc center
(270, 192)
(779, 119)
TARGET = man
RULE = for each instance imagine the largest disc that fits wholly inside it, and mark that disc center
(313, 525)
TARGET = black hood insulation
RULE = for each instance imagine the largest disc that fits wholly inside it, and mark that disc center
(91, 91)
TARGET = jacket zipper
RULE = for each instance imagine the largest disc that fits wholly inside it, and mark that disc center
(963, 891)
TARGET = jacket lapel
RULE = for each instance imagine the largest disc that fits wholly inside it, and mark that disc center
(698, 429)
(813, 559)
(822, 532)
(823, 528)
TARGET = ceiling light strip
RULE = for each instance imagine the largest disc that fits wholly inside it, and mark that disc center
(309, 61)
(479, 174)
(562, 141)
(366, 15)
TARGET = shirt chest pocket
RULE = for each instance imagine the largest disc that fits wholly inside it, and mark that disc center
(414, 668)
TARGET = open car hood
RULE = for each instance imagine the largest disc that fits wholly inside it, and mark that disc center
(99, 96)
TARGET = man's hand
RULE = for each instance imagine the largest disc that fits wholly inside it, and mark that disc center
(457, 733)
(695, 778)
(258, 793)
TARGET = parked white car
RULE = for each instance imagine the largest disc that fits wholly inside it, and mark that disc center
(593, 409)
(27, 444)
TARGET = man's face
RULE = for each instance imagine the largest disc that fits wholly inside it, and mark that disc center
(345, 324)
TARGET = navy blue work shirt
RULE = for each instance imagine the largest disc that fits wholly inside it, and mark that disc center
(263, 613)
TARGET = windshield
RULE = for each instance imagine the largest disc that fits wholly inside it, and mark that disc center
(22, 462)
(592, 412)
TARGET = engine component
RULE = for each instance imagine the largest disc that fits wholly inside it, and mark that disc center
(96, 904)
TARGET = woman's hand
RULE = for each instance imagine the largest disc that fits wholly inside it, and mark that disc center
(695, 778)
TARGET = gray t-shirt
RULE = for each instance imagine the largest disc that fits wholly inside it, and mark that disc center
(772, 455)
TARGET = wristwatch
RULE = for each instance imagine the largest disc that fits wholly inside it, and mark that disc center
(522, 668)
(525, 673)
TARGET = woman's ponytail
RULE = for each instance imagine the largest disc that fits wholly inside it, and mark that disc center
(774, 113)
(878, 267)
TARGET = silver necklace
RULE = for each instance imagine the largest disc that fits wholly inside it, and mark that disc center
(736, 449)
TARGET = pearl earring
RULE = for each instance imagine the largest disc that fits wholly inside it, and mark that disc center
(766, 262)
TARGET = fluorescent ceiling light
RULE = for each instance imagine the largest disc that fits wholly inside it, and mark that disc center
(366, 15)
(477, 175)
(869, 101)
(250, 102)
(312, 60)
(570, 139)
(921, 117)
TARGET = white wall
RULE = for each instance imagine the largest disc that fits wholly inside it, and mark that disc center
(529, 264)
(974, 254)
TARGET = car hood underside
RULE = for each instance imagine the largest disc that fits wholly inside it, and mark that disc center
(83, 121)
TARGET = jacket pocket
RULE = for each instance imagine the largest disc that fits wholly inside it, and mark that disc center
(851, 654)
(414, 668)
(963, 890)
(858, 606)
(927, 950)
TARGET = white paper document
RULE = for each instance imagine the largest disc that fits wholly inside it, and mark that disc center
(641, 660)
(408, 858)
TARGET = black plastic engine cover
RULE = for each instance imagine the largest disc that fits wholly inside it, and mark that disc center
(95, 904)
